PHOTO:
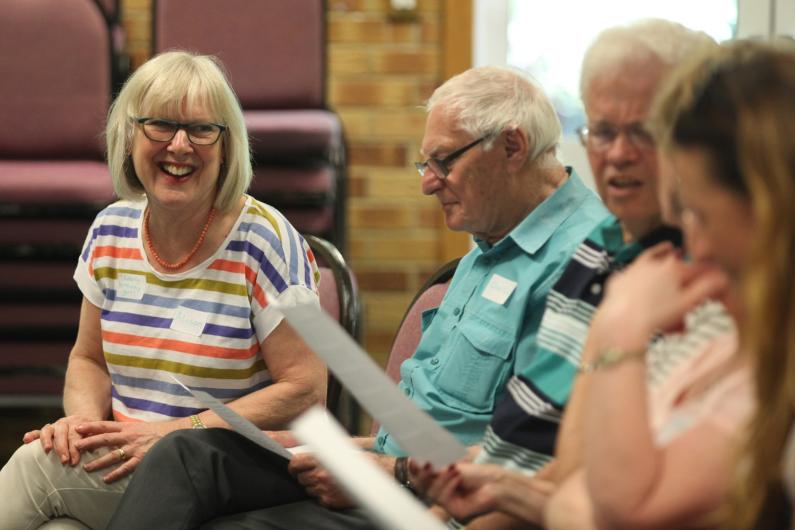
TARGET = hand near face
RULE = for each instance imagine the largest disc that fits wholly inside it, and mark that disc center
(317, 481)
(128, 442)
(654, 294)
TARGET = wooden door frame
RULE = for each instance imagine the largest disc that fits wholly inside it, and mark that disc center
(457, 25)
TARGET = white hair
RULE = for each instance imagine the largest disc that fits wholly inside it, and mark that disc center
(488, 100)
(642, 41)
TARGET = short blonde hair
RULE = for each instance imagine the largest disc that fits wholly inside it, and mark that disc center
(164, 86)
(489, 99)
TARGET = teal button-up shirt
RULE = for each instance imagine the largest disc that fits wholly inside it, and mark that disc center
(483, 331)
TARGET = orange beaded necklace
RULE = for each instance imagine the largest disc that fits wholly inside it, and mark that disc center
(181, 263)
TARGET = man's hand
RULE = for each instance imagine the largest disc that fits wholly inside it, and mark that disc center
(469, 490)
(317, 481)
(283, 438)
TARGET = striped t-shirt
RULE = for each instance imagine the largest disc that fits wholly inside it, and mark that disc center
(203, 325)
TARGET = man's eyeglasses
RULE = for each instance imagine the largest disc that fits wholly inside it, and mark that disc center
(601, 137)
(159, 130)
(441, 167)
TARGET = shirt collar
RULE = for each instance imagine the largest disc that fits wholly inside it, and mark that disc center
(539, 225)
(613, 237)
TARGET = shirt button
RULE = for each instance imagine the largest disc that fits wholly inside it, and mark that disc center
(596, 288)
(434, 361)
(456, 311)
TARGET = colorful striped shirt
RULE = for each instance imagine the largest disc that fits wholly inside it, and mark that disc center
(204, 325)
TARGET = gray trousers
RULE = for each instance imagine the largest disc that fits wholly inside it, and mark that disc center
(216, 479)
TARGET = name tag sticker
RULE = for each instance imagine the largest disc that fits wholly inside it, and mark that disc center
(131, 286)
(190, 321)
(499, 289)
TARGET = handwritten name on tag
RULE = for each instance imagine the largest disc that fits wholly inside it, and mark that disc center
(190, 321)
(499, 289)
(131, 286)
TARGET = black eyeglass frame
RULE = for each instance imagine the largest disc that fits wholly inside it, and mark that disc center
(183, 126)
(439, 166)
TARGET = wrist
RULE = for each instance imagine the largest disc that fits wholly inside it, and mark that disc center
(611, 331)
(196, 422)
(609, 357)
(402, 475)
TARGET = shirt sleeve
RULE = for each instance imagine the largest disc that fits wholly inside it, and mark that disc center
(289, 275)
(84, 272)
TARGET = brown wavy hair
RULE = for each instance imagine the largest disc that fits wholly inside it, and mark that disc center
(737, 104)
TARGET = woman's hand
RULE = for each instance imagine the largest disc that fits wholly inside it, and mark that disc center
(128, 442)
(651, 295)
(61, 436)
(467, 490)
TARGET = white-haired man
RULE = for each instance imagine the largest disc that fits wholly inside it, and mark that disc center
(490, 142)
(621, 73)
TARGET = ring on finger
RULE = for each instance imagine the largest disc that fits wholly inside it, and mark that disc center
(122, 455)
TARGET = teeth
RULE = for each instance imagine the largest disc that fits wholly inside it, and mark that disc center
(621, 183)
(177, 170)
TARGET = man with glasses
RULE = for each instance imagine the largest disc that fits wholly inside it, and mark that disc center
(621, 73)
(489, 143)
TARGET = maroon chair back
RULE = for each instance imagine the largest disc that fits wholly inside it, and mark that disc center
(273, 50)
(328, 293)
(55, 81)
(409, 332)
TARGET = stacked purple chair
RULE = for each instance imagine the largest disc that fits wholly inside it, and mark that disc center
(55, 86)
(274, 53)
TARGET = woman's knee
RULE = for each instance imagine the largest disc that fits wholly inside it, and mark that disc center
(31, 457)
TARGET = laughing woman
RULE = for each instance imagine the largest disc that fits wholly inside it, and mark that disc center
(176, 279)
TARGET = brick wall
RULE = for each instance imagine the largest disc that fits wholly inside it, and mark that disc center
(380, 73)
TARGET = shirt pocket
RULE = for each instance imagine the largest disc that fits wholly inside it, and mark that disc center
(478, 364)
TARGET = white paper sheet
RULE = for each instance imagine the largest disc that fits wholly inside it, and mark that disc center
(391, 506)
(415, 431)
(238, 422)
